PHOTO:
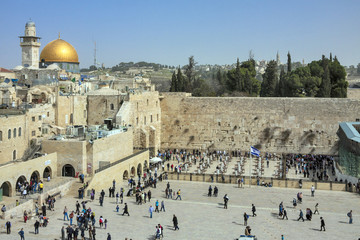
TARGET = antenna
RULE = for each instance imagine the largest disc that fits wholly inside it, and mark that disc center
(95, 53)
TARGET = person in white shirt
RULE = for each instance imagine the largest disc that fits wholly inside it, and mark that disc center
(312, 190)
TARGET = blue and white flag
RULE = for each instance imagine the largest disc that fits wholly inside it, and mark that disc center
(254, 151)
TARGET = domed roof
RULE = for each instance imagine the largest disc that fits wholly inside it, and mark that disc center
(59, 51)
(30, 24)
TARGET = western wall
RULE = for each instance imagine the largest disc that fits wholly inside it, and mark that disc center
(293, 125)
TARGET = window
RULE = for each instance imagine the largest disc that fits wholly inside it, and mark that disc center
(0, 136)
(157, 117)
(36, 76)
(150, 118)
(40, 118)
(9, 134)
(19, 131)
(145, 120)
(71, 118)
(66, 119)
(111, 106)
(33, 119)
(33, 133)
(14, 133)
(156, 103)
(147, 102)
(137, 121)
(48, 114)
(44, 131)
(14, 155)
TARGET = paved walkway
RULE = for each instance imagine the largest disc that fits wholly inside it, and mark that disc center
(202, 217)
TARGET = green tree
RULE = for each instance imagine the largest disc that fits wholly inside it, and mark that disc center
(270, 79)
(281, 87)
(180, 81)
(325, 86)
(288, 62)
(190, 74)
(338, 79)
(173, 86)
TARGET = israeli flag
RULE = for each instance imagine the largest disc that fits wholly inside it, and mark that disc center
(254, 151)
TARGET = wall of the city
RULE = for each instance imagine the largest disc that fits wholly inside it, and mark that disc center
(37, 116)
(304, 125)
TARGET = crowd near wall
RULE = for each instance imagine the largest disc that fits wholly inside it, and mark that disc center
(293, 125)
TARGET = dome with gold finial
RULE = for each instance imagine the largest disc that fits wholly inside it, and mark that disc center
(62, 54)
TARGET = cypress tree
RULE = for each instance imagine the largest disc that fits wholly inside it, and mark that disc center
(325, 86)
(173, 87)
(289, 63)
(180, 81)
(270, 79)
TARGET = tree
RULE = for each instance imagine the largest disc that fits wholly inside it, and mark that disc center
(325, 87)
(282, 84)
(180, 81)
(190, 74)
(270, 79)
(358, 69)
(289, 63)
(338, 79)
(173, 86)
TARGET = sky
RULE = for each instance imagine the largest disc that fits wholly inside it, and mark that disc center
(169, 32)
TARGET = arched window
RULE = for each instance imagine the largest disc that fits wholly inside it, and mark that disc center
(19, 131)
(14, 155)
(0, 136)
(14, 133)
(9, 134)
(111, 106)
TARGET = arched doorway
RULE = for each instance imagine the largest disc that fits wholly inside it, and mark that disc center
(125, 175)
(47, 172)
(145, 166)
(68, 171)
(139, 169)
(35, 176)
(20, 181)
(6, 188)
(132, 171)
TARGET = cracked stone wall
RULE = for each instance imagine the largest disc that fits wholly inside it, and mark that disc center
(304, 125)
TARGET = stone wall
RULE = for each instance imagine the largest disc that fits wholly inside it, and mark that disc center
(71, 110)
(103, 179)
(304, 125)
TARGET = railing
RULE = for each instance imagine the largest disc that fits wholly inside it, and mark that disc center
(121, 160)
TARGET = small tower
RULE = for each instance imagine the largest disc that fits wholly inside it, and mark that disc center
(30, 45)
(278, 58)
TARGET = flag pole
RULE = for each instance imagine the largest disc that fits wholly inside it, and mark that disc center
(250, 167)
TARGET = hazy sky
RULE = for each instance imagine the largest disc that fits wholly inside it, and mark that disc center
(168, 32)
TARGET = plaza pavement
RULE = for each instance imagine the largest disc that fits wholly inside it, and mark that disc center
(201, 217)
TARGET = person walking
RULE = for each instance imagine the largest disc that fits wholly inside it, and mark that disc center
(312, 190)
(349, 214)
(71, 217)
(63, 233)
(285, 214)
(8, 227)
(126, 210)
(151, 210)
(210, 191)
(316, 208)
(162, 206)
(246, 217)
(322, 224)
(22, 234)
(253, 209)
(178, 195)
(66, 213)
(157, 206)
(226, 200)
(175, 222)
(108, 237)
(37, 225)
(301, 216)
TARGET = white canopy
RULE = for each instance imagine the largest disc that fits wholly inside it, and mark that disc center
(155, 160)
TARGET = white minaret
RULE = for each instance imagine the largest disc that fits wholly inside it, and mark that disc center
(30, 45)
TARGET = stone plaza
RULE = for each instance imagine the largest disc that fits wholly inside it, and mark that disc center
(203, 217)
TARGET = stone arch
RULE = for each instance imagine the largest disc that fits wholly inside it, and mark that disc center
(35, 176)
(21, 180)
(47, 172)
(6, 188)
(139, 169)
(145, 166)
(132, 171)
(68, 171)
(125, 175)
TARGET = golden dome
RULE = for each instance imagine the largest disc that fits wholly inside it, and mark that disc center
(59, 51)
